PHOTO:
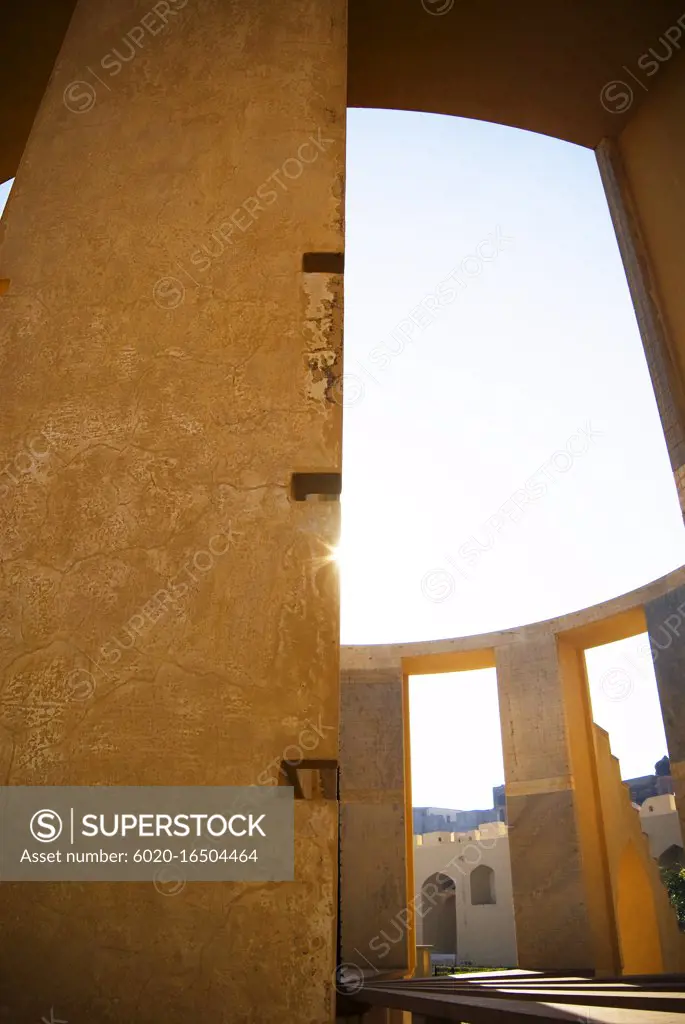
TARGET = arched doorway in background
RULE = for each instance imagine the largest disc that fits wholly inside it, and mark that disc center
(439, 913)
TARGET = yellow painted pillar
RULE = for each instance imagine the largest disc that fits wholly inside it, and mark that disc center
(560, 884)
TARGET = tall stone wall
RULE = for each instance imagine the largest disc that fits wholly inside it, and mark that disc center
(651, 156)
(666, 623)
(373, 868)
(167, 362)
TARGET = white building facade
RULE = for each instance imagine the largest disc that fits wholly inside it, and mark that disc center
(462, 883)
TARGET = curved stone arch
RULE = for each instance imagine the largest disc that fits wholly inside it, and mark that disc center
(536, 66)
(442, 879)
(553, 803)
(439, 912)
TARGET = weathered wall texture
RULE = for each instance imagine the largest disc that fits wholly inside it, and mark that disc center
(559, 69)
(373, 872)
(168, 615)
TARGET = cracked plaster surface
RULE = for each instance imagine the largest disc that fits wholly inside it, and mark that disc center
(170, 435)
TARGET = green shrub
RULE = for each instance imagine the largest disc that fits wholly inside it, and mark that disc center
(674, 880)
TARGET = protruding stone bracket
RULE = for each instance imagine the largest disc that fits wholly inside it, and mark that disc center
(315, 779)
(323, 262)
(321, 486)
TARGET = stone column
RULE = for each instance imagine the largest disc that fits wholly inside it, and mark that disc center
(643, 172)
(376, 924)
(560, 883)
(666, 627)
(662, 362)
(169, 358)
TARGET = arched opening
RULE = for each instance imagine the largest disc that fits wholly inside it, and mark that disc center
(458, 806)
(482, 886)
(638, 929)
(439, 913)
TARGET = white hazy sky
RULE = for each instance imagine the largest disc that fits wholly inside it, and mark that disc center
(443, 429)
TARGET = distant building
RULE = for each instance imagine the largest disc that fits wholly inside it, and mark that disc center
(659, 820)
(500, 802)
(449, 819)
(646, 786)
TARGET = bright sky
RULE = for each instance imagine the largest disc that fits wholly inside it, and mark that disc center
(455, 730)
(449, 419)
(4, 192)
(455, 740)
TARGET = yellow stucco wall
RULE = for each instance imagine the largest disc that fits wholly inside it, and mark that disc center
(163, 339)
(646, 925)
